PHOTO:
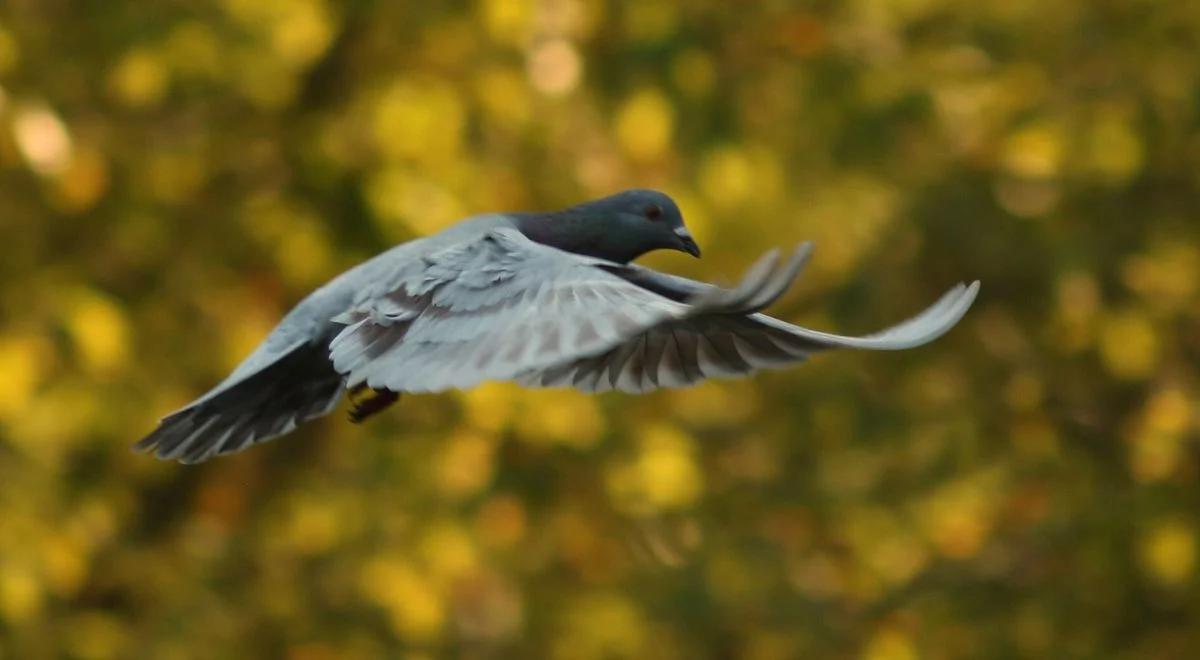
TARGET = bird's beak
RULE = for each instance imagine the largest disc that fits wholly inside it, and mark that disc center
(686, 242)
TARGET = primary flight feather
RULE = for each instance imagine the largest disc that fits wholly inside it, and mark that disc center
(542, 299)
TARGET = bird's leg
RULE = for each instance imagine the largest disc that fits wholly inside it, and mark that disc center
(366, 401)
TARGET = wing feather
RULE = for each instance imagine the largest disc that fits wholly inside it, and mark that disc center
(684, 351)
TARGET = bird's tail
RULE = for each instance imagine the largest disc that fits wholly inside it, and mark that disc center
(300, 385)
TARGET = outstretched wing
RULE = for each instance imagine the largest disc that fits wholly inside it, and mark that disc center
(731, 342)
(489, 309)
(297, 386)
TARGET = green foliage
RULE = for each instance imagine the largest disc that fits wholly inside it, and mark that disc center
(174, 175)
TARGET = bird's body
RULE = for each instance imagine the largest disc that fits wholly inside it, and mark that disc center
(542, 299)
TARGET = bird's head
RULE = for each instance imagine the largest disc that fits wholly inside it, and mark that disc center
(620, 228)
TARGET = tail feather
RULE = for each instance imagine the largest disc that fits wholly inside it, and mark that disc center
(299, 386)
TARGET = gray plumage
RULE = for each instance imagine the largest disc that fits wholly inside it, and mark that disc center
(545, 300)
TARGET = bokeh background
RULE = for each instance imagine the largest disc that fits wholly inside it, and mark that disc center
(174, 175)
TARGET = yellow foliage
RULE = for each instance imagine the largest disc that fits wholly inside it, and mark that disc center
(413, 604)
(176, 177)
(1114, 149)
(507, 21)
(448, 552)
(1036, 150)
(1129, 345)
(601, 625)
(890, 644)
(302, 32)
(21, 596)
(421, 120)
(139, 79)
(100, 332)
(1168, 552)
(644, 125)
(663, 474)
(24, 360)
(559, 416)
(466, 464)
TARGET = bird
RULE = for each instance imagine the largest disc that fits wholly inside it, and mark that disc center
(549, 299)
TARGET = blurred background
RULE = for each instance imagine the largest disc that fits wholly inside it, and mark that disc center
(175, 175)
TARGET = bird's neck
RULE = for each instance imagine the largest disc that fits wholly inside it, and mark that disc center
(572, 232)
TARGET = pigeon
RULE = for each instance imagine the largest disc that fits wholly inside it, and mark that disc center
(540, 299)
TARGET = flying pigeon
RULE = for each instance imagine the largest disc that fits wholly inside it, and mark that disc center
(541, 299)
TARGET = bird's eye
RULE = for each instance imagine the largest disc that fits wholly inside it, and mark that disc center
(653, 212)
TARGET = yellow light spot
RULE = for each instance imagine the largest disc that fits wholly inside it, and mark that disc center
(302, 32)
(63, 564)
(508, 21)
(490, 406)
(313, 525)
(100, 332)
(465, 464)
(1169, 411)
(42, 139)
(1154, 455)
(958, 517)
(404, 204)
(57, 418)
(644, 125)
(139, 79)
(1168, 552)
(419, 120)
(662, 476)
(303, 255)
(23, 360)
(1157, 442)
(20, 594)
(716, 403)
(726, 176)
(890, 644)
(555, 67)
(1167, 276)
(84, 182)
(601, 625)
(1035, 151)
(1129, 345)
(1114, 150)
(560, 416)
(504, 95)
(193, 50)
(448, 551)
(415, 608)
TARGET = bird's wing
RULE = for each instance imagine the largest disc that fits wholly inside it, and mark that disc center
(488, 308)
(502, 307)
(684, 351)
(299, 384)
